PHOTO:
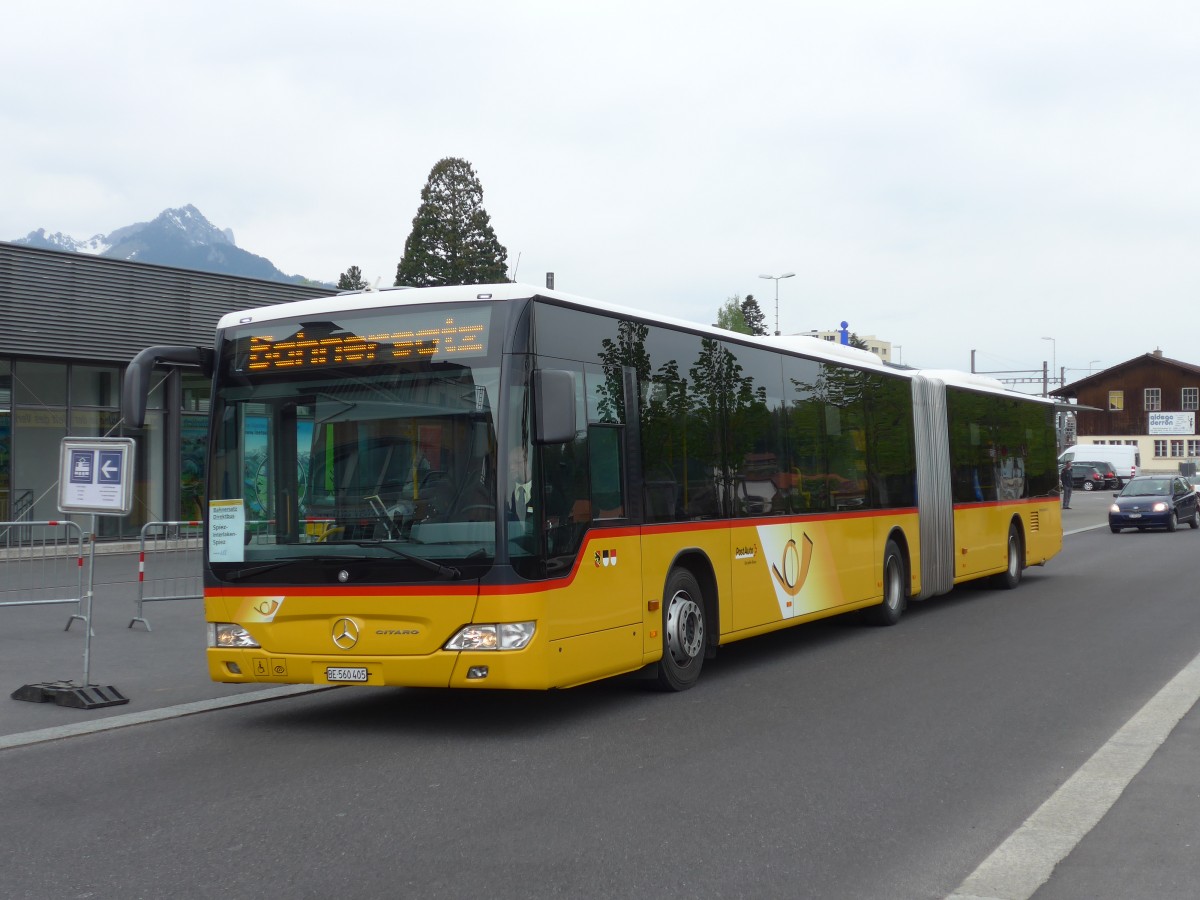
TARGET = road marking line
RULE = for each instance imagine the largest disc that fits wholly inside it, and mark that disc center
(1026, 860)
(157, 715)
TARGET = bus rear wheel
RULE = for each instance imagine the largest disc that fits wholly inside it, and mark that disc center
(1011, 576)
(684, 632)
(895, 592)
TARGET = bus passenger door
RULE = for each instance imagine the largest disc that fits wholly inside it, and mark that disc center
(612, 550)
(584, 512)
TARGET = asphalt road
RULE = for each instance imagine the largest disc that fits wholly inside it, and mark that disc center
(830, 761)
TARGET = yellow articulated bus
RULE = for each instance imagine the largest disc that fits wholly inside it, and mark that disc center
(497, 486)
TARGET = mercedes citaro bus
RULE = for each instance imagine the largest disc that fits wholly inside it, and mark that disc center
(499, 486)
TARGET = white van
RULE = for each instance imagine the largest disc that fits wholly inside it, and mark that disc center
(1124, 458)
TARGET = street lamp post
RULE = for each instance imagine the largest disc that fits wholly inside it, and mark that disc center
(1053, 358)
(776, 278)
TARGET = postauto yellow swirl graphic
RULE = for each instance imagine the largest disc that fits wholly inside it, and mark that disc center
(259, 609)
(801, 571)
(795, 566)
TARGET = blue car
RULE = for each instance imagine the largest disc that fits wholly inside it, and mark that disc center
(1154, 501)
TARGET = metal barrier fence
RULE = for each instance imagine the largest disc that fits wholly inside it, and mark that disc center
(41, 563)
(169, 564)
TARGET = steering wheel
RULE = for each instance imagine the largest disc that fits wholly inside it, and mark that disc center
(380, 514)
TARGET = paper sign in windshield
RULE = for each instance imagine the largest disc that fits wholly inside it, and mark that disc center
(226, 531)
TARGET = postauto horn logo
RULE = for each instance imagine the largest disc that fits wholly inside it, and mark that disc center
(792, 571)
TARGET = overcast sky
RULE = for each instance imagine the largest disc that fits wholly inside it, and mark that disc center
(948, 176)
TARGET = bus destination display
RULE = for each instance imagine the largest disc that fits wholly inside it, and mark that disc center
(317, 345)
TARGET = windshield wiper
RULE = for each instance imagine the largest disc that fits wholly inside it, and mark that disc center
(239, 574)
(449, 572)
(255, 570)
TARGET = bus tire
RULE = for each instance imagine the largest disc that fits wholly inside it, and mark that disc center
(684, 632)
(895, 591)
(1011, 576)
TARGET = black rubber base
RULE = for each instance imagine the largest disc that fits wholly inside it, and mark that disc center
(66, 693)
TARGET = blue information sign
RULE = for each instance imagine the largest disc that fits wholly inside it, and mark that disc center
(96, 476)
(82, 464)
(108, 470)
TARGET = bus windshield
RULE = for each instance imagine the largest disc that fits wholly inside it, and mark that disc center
(370, 438)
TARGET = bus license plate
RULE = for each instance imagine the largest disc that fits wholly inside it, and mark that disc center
(346, 673)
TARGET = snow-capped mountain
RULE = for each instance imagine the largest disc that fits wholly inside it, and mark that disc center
(176, 237)
(59, 241)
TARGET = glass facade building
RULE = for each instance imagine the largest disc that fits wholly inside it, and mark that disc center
(75, 321)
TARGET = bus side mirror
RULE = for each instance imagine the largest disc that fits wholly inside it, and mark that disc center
(136, 388)
(554, 400)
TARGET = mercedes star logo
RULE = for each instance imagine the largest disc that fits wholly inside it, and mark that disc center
(345, 634)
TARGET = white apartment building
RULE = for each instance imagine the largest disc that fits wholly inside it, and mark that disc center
(882, 349)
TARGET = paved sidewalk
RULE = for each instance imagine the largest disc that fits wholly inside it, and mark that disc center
(160, 668)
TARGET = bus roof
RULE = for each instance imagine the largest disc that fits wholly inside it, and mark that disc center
(390, 297)
(377, 299)
(803, 344)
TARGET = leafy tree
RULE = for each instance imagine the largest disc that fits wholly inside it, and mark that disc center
(351, 280)
(755, 318)
(452, 241)
(731, 318)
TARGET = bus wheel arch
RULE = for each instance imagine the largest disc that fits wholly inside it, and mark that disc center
(689, 621)
(900, 539)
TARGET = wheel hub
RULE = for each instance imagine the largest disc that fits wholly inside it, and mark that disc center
(685, 628)
(894, 585)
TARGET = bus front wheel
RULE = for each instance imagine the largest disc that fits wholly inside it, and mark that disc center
(683, 629)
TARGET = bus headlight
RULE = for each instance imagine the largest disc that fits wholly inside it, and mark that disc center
(503, 636)
(227, 634)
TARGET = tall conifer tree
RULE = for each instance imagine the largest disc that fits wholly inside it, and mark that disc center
(351, 280)
(452, 241)
(756, 319)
